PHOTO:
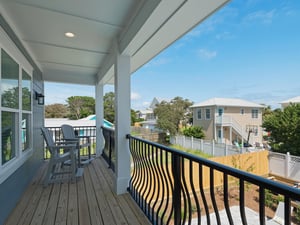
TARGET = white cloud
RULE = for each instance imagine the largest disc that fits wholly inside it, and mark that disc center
(135, 96)
(206, 54)
(224, 36)
(265, 17)
(146, 104)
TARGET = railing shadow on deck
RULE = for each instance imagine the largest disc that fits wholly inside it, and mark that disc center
(170, 188)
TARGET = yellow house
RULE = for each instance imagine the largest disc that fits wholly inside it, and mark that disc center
(229, 120)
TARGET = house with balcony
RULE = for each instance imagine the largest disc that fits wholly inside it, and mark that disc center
(96, 43)
(229, 120)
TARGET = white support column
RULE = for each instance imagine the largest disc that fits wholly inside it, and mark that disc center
(122, 120)
(99, 119)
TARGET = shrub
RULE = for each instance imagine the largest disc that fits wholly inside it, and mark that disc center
(194, 131)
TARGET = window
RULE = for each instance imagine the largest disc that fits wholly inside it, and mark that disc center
(207, 114)
(15, 108)
(9, 132)
(242, 111)
(199, 114)
(9, 82)
(254, 113)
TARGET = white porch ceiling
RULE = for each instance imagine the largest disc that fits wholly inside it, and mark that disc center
(141, 29)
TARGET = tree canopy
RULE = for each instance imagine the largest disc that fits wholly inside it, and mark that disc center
(284, 128)
(170, 115)
(56, 111)
(109, 106)
(80, 106)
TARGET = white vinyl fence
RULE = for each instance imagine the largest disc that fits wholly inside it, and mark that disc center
(208, 147)
(284, 165)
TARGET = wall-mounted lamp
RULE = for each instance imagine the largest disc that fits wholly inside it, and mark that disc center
(40, 98)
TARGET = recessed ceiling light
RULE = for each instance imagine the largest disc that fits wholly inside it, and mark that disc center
(69, 34)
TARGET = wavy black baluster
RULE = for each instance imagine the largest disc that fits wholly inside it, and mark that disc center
(158, 176)
(164, 187)
(152, 181)
(133, 179)
(203, 195)
(226, 201)
(212, 195)
(185, 193)
(147, 190)
(171, 188)
(242, 202)
(194, 192)
(142, 177)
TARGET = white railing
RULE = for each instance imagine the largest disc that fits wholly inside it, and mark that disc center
(284, 165)
(229, 121)
(206, 146)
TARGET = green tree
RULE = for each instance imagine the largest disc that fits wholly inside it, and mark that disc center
(10, 98)
(109, 106)
(80, 106)
(194, 131)
(56, 111)
(170, 115)
(134, 117)
(284, 128)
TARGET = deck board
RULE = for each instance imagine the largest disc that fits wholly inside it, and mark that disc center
(90, 200)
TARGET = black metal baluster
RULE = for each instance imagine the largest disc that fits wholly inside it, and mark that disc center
(212, 195)
(194, 192)
(242, 201)
(226, 200)
(171, 183)
(202, 194)
(159, 188)
(287, 210)
(176, 170)
(185, 193)
(262, 196)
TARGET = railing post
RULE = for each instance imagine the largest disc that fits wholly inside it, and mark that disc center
(110, 149)
(287, 164)
(176, 169)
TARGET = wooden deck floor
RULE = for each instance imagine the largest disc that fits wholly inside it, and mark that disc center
(89, 200)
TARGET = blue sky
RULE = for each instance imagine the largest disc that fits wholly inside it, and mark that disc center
(248, 50)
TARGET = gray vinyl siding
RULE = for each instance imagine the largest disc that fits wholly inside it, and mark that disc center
(13, 187)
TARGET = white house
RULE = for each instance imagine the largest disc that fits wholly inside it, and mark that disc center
(229, 119)
(287, 102)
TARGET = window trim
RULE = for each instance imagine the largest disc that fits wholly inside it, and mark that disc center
(7, 169)
(252, 113)
(199, 110)
(206, 118)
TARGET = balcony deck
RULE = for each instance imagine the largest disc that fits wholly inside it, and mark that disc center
(89, 200)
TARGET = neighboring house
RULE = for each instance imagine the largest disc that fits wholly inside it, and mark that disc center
(287, 102)
(148, 115)
(228, 120)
